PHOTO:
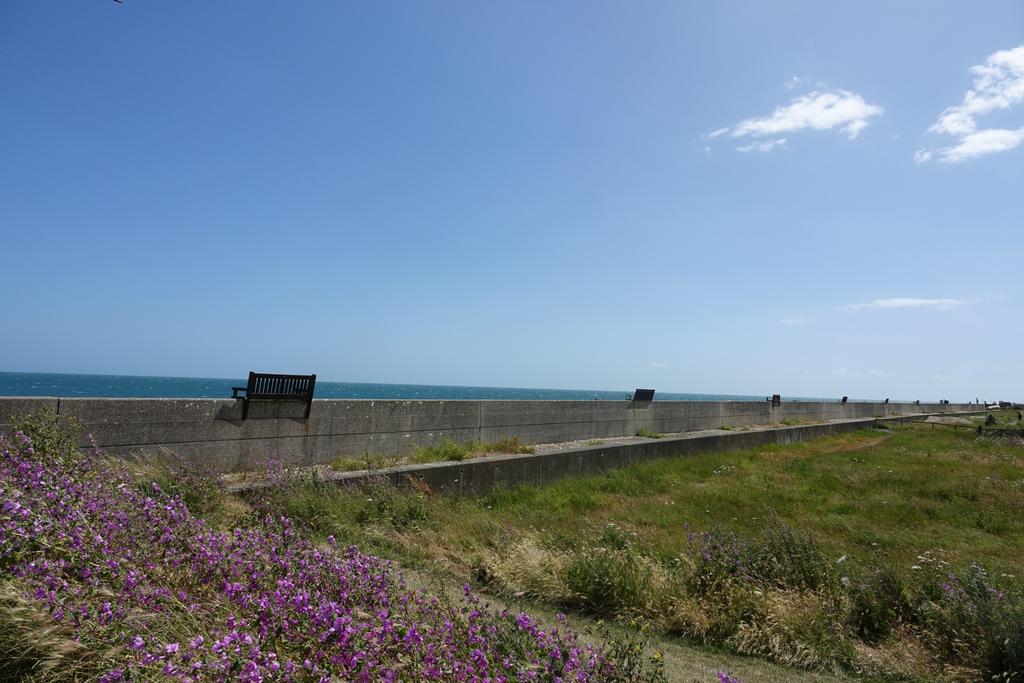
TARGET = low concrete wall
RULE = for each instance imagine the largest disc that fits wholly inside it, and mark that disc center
(481, 475)
(212, 431)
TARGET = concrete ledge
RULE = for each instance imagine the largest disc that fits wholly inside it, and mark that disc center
(480, 475)
(211, 431)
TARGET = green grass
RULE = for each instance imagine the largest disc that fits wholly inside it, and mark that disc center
(855, 513)
(448, 449)
(864, 493)
(367, 462)
(648, 434)
(443, 451)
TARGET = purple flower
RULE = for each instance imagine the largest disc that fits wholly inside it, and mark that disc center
(249, 594)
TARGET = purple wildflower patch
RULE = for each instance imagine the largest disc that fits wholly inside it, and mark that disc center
(129, 573)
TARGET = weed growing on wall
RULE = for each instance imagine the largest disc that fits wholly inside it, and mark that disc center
(449, 450)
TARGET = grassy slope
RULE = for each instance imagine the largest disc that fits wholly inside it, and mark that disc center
(860, 495)
(913, 490)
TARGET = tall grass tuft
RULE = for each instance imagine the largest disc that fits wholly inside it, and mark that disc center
(974, 623)
(32, 646)
(441, 452)
(783, 558)
(54, 439)
(448, 450)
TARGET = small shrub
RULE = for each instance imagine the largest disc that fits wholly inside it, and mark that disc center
(648, 434)
(627, 652)
(973, 623)
(349, 464)
(783, 558)
(508, 444)
(311, 505)
(792, 559)
(442, 452)
(713, 617)
(54, 438)
(402, 514)
(799, 628)
(368, 461)
(580, 501)
(613, 538)
(611, 582)
(878, 601)
(384, 504)
(199, 486)
(448, 449)
(719, 557)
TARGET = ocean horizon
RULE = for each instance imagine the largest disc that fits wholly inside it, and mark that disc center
(70, 385)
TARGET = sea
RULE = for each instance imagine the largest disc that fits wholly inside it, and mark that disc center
(134, 386)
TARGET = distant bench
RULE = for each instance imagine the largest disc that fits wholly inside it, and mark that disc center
(265, 386)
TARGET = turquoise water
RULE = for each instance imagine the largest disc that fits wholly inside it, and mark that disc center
(128, 386)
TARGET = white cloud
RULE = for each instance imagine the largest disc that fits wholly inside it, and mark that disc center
(763, 146)
(908, 302)
(818, 110)
(658, 366)
(983, 142)
(792, 321)
(922, 156)
(998, 84)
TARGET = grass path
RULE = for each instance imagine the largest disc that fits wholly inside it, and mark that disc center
(684, 662)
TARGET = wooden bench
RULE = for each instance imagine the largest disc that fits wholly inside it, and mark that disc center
(265, 386)
(643, 395)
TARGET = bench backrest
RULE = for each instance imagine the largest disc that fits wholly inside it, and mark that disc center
(266, 385)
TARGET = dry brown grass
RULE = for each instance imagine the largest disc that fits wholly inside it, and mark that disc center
(32, 646)
(903, 656)
(799, 628)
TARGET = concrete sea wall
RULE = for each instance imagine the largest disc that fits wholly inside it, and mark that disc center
(212, 430)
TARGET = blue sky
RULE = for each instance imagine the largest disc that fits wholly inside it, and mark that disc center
(739, 197)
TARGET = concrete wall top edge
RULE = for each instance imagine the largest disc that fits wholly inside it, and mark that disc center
(488, 401)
